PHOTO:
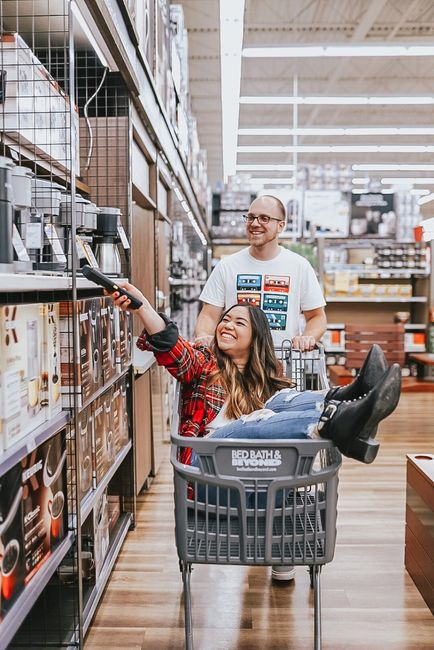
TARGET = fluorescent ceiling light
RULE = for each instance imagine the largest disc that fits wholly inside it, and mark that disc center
(413, 181)
(272, 181)
(426, 199)
(314, 51)
(265, 168)
(197, 230)
(391, 190)
(231, 43)
(387, 167)
(360, 191)
(377, 130)
(361, 181)
(89, 35)
(406, 148)
(178, 193)
(419, 192)
(341, 99)
(185, 206)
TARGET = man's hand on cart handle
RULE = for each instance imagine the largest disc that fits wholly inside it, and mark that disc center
(303, 343)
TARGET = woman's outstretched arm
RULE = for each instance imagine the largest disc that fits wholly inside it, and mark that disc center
(151, 320)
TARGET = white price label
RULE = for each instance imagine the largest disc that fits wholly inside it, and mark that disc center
(123, 237)
(53, 238)
(18, 244)
(31, 444)
(33, 236)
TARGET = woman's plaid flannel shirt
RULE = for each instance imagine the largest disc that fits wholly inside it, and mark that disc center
(191, 365)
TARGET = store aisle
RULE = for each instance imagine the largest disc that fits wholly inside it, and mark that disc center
(369, 601)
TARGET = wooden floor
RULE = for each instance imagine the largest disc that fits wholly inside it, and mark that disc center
(369, 601)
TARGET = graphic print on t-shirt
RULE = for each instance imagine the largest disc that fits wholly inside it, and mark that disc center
(274, 301)
(249, 298)
(249, 282)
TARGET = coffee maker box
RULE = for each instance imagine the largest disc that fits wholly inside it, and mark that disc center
(104, 452)
(108, 336)
(124, 339)
(84, 440)
(88, 377)
(51, 376)
(21, 408)
(120, 413)
(96, 529)
(11, 538)
(44, 502)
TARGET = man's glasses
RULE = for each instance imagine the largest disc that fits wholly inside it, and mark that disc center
(262, 219)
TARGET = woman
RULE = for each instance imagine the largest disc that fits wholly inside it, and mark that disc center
(234, 388)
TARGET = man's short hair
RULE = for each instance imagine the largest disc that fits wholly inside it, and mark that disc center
(279, 202)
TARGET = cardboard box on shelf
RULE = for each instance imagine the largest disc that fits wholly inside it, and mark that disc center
(44, 502)
(104, 451)
(124, 339)
(21, 361)
(88, 376)
(84, 439)
(11, 538)
(95, 532)
(51, 376)
(120, 413)
(108, 342)
(114, 510)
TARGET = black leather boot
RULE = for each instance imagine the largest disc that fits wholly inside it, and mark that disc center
(374, 367)
(352, 426)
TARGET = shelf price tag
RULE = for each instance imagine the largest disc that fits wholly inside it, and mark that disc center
(123, 237)
(84, 251)
(342, 281)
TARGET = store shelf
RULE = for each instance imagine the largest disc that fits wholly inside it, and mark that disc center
(90, 500)
(377, 273)
(31, 593)
(119, 535)
(33, 440)
(43, 282)
(143, 360)
(410, 326)
(376, 299)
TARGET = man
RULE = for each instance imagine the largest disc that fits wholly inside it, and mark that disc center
(279, 281)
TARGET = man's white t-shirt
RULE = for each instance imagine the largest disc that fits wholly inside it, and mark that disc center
(283, 287)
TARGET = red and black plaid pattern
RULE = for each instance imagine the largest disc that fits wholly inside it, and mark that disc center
(191, 365)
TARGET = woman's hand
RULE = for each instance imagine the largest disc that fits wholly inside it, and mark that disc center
(122, 301)
(152, 322)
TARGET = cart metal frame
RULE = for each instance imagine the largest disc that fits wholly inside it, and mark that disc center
(257, 502)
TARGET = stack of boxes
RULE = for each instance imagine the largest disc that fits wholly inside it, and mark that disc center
(30, 381)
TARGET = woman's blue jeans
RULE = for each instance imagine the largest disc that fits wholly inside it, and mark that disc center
(296, 415)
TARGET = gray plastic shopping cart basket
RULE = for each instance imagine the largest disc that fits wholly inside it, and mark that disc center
(256, 502)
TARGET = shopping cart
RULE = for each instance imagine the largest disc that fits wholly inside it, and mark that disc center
(257, 502)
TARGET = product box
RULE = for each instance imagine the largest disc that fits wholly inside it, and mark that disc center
(51, 378)
(114, 510)
(21, 403)
(103, 445)
(11, 538)
(44, 502)
(108, 342)
(88, 377)
(120, 414)
(84, 440)
(124, 339)
(96, 530)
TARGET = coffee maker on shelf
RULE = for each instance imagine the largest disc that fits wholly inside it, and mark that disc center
(85, 218)
(47, 245)
(6, 215)
(107, 239)
(22, 192)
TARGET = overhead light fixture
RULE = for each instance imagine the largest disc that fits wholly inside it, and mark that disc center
(89, 35)
(185, 206)
(196, 228)
(361, 181)
(272, 181)
(387, 167)
(231, 43)
(413, 181)
(390, 190)
(377, 130)
(405, 148)
(265, 168)
(340, 99)
(359, 50)
(178, 193)
(361, 191)
(419, 192)
(426, 199)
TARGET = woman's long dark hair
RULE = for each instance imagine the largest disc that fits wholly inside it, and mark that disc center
(262, 377)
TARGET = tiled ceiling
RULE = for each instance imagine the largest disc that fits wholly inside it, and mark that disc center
(286, 22)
